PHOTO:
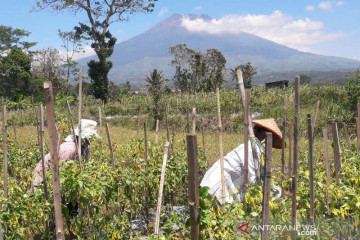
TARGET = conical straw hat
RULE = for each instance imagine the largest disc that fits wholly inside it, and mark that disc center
(271, 125)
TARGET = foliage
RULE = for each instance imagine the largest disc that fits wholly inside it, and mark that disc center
(305, 79)
(155, 87)
(353, 91)
(11, 38)
(197, 71)
(248, 72)
(100, 14)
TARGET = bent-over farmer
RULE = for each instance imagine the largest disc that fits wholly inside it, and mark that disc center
(234, 164)
(67, 149)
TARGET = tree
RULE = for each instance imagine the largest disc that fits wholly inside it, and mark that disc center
(11, 38)
(305, 79)
(71, 44)
(353, 91)
(248, 72)
(155, 87)
(100, 14)
(197, 71)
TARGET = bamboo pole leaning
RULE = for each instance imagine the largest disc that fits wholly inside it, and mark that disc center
(79, 114)
(42, 147)
(110, 146)
(266, 187)
(290, 147)
(246, 146)
(72, 128)
(315, 118)
(223, 200)
(296, 155)
(283, 141)
(337, 156)
(311, 168)
(4, 146)
(193, 121)
(53, 136)
(161, 188)
(327, 166)
(193, 186)
(203, 141)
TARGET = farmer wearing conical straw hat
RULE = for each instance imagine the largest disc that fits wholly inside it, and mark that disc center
(234, 164)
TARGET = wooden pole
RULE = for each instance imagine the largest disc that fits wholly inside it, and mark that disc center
(110, 146)
(146, 142)
(157, 132)
(290, 147)
(100, 123)
(256, 155)
(5, 159)
(14, 127)
(72, 128)
(203, 140)
(266, 188)
(315, 118)
(311, 168)
(194, 121)
(221, 148)
(42, 147)
(161, 187)
(193, 183)
(327, 166)
(147, 187)
(138, 122)
(53, 136)
(283, 141)
(79, 114)
(347, 137)
(337, 157)
(167, 124)
(246, 146)
(296, 152)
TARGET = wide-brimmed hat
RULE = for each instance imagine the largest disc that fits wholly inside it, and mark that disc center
(270, 124)
(88, 130)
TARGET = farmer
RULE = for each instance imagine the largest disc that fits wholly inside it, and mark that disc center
(67, 150)
(234, 164)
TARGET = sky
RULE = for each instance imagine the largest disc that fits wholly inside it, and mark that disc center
(322, 27)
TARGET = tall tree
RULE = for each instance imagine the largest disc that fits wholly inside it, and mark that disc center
(100, 15)
(10, 38)
(249, 72)
(155, 87)
(72, 44)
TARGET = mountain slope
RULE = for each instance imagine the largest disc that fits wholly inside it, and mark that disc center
(136, 57)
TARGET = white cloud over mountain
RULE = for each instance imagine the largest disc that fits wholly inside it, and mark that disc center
(277, 27)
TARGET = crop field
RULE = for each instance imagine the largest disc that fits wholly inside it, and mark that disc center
(119, 202)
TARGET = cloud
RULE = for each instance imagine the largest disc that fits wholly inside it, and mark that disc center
(163, 11)
(340, 3)
(277, 27)
(198, 8)
(326, 5)
(310, 8)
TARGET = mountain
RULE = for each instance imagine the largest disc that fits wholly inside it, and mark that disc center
(136, 57)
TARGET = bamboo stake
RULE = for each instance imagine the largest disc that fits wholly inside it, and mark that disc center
(203, 140)
(72, 129)
(315, 118)
(110, 146)
(296, 152)
(5, 157)
(347, 137)
(337, 156)
(147, 187)
(283, 141)
(146, 142)
(266, 188)
(157, 132)
(311, 168)
(161, 187)
(290, 147)
(49, 97)
(221, 148)
(194, 121)
(193, 183)
(42, 147)
(246, 145)
(256, 156)
(79, 113)
(358, 126)
(327, 165)
(14, 127)
(100, 123)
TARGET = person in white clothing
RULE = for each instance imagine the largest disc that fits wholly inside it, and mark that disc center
(234, 164)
